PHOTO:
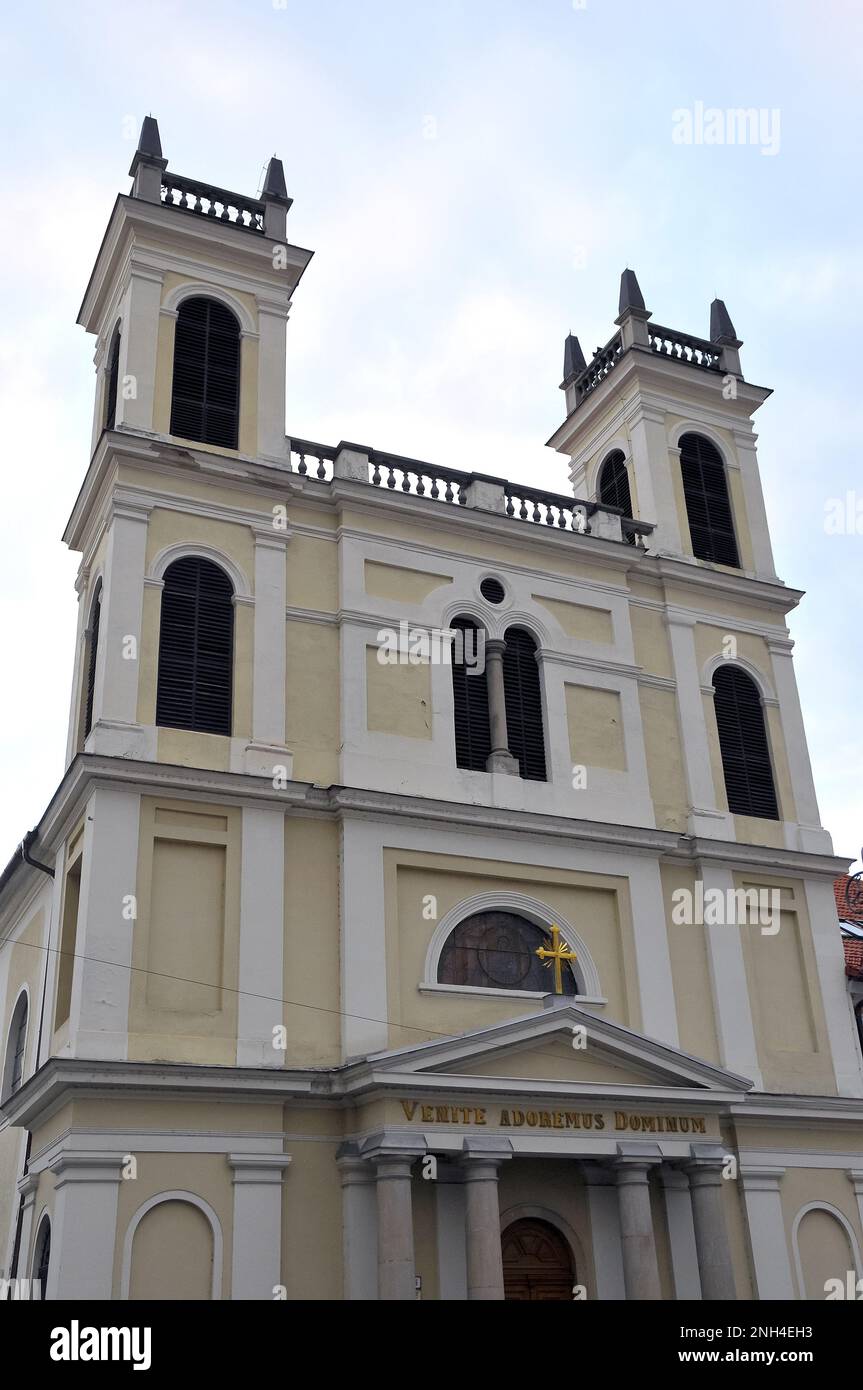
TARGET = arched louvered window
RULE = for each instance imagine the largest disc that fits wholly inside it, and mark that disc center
(708, 505)
(470, 698)
(205, 396)
(196, 648)
(113, 376)
(497, 950)
(523, 695)
(613, 487)
(42, 1256)
(92, 654)
(13, 1070)
(743, 743)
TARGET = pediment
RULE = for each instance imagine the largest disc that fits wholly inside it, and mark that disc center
(539, 1048)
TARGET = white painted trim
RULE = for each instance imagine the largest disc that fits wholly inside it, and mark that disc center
(691, 426)
(199, 289)
(175, 1196)
(713, 663)
(620, 444)
(795, 1245)
(535, 911)
(5, 1074)
(182, 549)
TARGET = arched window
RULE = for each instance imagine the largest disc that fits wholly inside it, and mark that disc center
(523, 695)
(708, 505)
(497, 950)
(743, 743)
(42, 1256)
(16, 1042)
(92, 654)
(113, 375)
(196, 648)
(470, 698)
(205, 395)
(613, 488)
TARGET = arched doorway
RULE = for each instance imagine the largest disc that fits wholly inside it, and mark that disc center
(537, 1263)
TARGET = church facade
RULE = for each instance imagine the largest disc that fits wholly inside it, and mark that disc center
(435, 903)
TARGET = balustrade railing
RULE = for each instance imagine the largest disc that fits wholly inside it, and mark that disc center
(696, 351)
(603, 361)
(450, 485)
(190, 195)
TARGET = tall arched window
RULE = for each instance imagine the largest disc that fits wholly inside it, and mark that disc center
(470, 699)
(42, 1256)
(196, 648)
(113, 376)
(498, 950)
(613, 487)
(523, 695)
(16, 1042)
(205, 395)
(92, 654)
(743, 744)
(708, 505)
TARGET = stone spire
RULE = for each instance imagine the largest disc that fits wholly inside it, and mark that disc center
(275, 195)
(631, 314)
(631, 297)
(147, 164)
(721, 327)
(573, 358)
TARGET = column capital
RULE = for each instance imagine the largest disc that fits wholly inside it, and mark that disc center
(494, 646)
(83, 1166)
(761, 1179)
(258, 1168)
(705, 1164)
(634, 1161)
(402, 1146)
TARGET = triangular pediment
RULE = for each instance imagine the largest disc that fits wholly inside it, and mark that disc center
(565, 1047)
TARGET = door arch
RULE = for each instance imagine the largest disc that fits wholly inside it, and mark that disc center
(538, 1265)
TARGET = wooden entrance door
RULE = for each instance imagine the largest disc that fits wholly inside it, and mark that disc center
(537, 1263)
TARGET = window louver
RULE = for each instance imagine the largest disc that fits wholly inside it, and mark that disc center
(91, 662)
(470, 710)
(614, 483)
(19, 1039)
(523, 696)
(196, 648)
(743, 744)
(708, 506)
(113, 376)
(205, 396)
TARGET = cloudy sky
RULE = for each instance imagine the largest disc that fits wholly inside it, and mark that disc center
(472, 178)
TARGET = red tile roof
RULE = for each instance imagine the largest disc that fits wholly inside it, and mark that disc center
(849, 910)
(853, 958)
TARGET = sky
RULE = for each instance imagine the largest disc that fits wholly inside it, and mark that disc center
(472, 178)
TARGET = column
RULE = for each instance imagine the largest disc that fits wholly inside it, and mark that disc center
(681, 1233)
(767, 1239)
(838, 1006)
(272, 321)
(269, 671)
(84, 1225)
(118, 659)
(99, 1015)
(652, 954)
(396, 1271)
(139, 333)
(705, 817)
(708, 1218)
(756, 512)
(450, 1222)
(654, 486)
(482, 1210)
(262, 931)
(359, 1224)
(812, 837)
(500, 759)
(640, 1266)
(602, 1201)
(27, 1187)
(256, 1266)
(729, 984)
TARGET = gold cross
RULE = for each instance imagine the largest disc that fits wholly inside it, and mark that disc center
(558, 952)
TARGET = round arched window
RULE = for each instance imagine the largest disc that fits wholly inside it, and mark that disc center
(498, 950)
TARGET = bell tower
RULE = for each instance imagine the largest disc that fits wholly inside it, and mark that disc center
(188, 301)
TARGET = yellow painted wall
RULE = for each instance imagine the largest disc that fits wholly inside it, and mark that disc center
(579, 619)
(595, 724)
(664, 755)
(398, 698)
(312, 938)
(690, 971)
(399, 584)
